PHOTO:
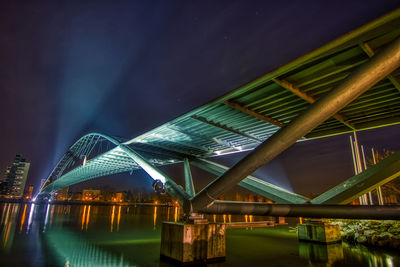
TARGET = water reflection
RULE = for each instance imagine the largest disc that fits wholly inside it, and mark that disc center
(168, 214)
(176, 214)
(372, 259)
(155, 218)
(46, 218)
(83, 217)
(112, 218)
(31, 211)
(9, 224)
(119, 217)
(75, 251)
(87, 218)
(127, 236)
(23, 218)
(321, 254)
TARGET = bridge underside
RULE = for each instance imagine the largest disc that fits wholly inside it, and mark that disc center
(339, 88)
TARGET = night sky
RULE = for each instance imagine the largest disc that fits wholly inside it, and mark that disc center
(124, 67)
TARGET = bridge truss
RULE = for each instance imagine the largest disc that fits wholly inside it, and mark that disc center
(252, 116)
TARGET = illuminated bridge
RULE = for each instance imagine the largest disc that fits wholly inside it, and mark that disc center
(348, 85)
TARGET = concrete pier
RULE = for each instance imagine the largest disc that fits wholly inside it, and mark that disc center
(192, 243)
(320, 232)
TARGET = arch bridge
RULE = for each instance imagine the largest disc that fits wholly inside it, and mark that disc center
(348, 85)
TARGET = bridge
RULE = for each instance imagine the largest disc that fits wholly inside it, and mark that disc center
(348, 85)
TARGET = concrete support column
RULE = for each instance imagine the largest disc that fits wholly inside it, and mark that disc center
(319, 232)
(192, 243)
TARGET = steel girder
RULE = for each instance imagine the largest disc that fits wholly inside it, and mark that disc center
(171, 187)
(358, 82)
(256, 185)
(251, 114)
(377, 175)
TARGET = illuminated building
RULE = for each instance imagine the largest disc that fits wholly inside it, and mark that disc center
(13, 184)
(62, 194)
(119, 197)
(91, 195)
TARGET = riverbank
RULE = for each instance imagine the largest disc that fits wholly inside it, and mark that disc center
(370, 232)
(78, 202)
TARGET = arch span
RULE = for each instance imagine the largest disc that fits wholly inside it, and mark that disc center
(92, 157)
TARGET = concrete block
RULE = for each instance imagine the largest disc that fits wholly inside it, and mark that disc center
(320, 232)
(188, 243)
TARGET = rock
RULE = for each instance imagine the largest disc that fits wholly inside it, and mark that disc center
(385, 235)
(378, 233)
(369, 232)
(361, 239)
(394, 229)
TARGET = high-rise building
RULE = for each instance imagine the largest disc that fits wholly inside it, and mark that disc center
(13, 183)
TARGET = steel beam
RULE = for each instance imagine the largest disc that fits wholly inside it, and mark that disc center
(172, 188)
(370, 52)
(253, 113)
(307, 210)
(189, 187)
(368, 74)
(256, 185)
(309, 99)
(226, 128)
(377, 175)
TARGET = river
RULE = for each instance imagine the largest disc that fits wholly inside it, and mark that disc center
(90, 235)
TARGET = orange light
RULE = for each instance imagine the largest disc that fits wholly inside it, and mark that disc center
(119, 217)
(83, 217)
(87, 218)
(112, 217)
(23, 218)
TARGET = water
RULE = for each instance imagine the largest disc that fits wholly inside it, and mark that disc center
(87, 235)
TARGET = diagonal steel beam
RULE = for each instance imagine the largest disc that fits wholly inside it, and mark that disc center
(253, 113)
(370, 52)
(377, 175)
(189, 187)
(263, 188)
(367, 75)
(172, 188)
(309, 99)
(226, 128)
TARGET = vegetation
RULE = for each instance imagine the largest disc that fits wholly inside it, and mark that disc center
(393, 187)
